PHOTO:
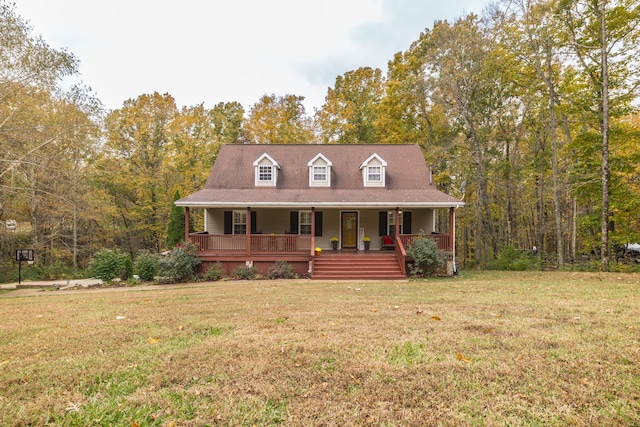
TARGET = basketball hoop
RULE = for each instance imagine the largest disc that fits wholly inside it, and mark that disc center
(23, 255)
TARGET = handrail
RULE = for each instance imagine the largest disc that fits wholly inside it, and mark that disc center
(401, 254)
(260, 244)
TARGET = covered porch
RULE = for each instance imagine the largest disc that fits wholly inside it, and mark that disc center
(261, 236)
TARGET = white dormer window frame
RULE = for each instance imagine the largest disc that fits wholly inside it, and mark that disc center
(374, 171)
(320, 171)
(266, 171)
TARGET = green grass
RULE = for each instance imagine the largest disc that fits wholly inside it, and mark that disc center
(490, 348)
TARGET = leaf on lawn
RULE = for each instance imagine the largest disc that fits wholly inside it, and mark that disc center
(4, 362)
(464, 359)
(436, 318)
(120, 317)
(181, 327)
(373, 310)
(152, 340)
(135, 424)
(489, 331)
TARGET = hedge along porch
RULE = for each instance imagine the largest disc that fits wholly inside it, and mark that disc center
(269, 203)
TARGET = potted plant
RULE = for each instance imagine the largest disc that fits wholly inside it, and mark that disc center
(318, 251)
(367, 243)
(334, 243)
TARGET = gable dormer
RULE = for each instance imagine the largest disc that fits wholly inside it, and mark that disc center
(320, 171)
(373, 171)
(266, 171)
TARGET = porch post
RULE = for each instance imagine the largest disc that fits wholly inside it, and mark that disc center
(186, 224)
(313, 230)
(248, 231)
(397, 223)
(452, 231)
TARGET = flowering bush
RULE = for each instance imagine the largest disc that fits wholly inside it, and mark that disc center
(180, 264)
(281, 270)
(245, 272)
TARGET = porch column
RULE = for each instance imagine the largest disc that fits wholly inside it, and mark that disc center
(313, 230)
(452, 231)
(397, 223)
(248, 231)
(186, 224)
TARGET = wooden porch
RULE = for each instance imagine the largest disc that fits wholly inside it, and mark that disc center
(264, 250)
(283, 244)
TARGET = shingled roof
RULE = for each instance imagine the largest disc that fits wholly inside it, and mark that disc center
(232, 179)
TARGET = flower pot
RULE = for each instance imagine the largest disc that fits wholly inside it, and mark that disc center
(366, 245)
(334, 245)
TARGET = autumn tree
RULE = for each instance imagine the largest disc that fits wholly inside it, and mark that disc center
(278, 120)
(604, 37)
(350, 111)
(134, 170)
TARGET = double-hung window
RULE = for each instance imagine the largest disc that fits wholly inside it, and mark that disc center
(265, 174)
(304, 222)
(374, 174)
(239, 222)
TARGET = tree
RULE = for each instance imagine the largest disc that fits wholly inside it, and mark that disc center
(175, 230)
(278, 120)
(134, 170)
(604, 37)
(351, 108)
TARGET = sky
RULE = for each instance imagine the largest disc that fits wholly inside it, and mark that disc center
(212, 51)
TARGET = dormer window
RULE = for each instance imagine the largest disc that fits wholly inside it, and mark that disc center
(320, 171)
(266, 170)
(373, 171)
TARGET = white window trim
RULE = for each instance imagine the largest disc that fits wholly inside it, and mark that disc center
(265, 161)
(374, 161)
(320, 160)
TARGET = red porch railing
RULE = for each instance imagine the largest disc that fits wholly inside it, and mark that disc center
(443, 240)
(261, 244)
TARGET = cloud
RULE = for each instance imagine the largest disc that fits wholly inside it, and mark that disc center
(206, 51)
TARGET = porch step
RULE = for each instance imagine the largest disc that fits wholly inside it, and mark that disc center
(357, 266)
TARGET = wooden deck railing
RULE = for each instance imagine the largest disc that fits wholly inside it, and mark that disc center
(443, 240)
(261, 244)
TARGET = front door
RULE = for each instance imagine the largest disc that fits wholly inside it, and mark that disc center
(349, 229)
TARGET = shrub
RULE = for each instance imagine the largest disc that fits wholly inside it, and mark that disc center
(180, 264)
(108, 264)
(427, 258)
(244, 272)
(281, 270)
(146, 265)
(513, 259)
(214, 273)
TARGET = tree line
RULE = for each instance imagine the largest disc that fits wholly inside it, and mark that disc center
(528, 114)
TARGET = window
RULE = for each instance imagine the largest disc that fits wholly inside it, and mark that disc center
(374, 173)
(391, 223)
(320, 173)
(265, 173)
(239, 222)
(305, 222)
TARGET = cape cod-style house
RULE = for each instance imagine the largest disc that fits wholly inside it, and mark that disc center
(266, 203)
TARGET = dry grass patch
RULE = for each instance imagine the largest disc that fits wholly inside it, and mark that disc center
(481, 349)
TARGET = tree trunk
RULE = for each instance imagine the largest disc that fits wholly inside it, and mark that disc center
(605, 137)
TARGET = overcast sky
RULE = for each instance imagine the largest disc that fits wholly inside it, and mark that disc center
(211, 51)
